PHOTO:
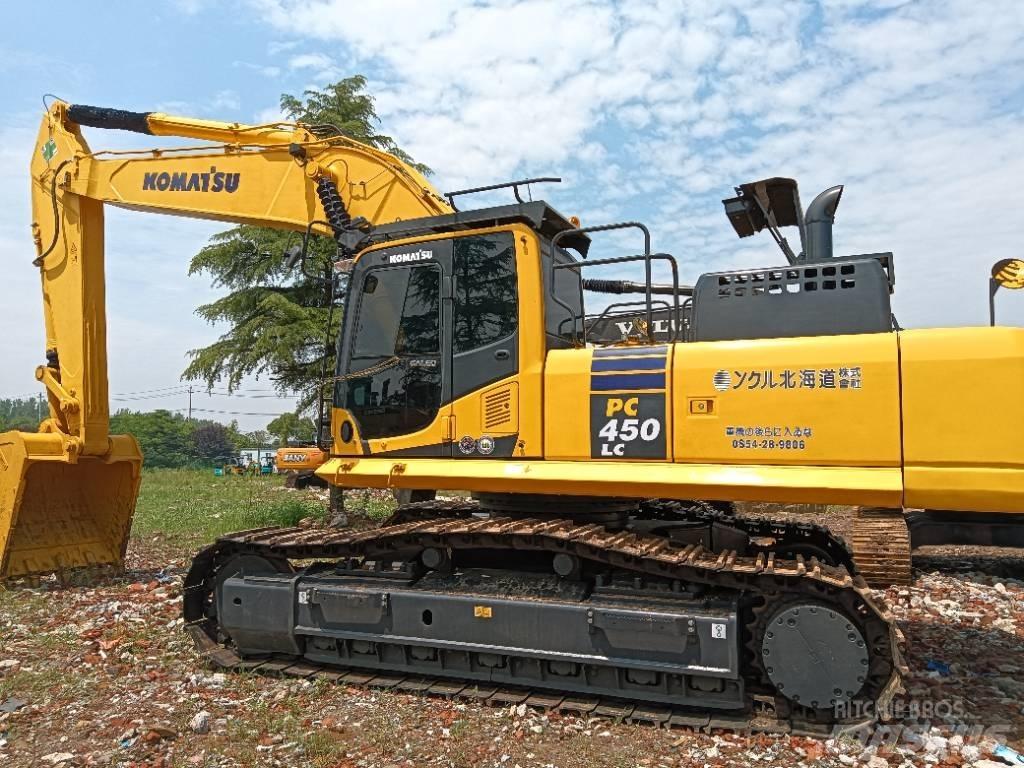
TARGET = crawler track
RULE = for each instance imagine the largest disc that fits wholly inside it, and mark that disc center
(881, 546)
(766, 582)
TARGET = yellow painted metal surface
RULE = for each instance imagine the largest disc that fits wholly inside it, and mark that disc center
(55, 514)
(579, 399)
(963, 423)
(826, 401)
(468, 415)
(922, 418)
(826, 485)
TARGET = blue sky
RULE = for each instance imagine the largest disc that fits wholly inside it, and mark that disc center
(650, 110)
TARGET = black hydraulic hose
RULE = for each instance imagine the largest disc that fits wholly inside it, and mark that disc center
(38, 261)
(109, 119)
(628, 286)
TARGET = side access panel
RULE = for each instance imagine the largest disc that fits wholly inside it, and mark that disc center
(962, 418)
(817, 402)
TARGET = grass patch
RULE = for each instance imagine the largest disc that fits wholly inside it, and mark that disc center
(193, 502)
(371, 504)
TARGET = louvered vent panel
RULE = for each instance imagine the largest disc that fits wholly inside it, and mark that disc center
(499, 410)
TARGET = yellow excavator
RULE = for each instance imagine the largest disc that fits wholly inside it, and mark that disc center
(600, 564)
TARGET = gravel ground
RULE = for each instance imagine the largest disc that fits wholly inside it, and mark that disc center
(102, 674)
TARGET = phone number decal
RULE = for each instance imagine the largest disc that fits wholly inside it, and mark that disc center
(770, 445)
(769, 438)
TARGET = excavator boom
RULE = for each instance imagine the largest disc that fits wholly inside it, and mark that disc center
(68, 492)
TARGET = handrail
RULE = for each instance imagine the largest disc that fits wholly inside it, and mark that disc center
(647, 257)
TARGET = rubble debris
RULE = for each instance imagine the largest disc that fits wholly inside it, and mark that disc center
(200, 723)
(12, 704)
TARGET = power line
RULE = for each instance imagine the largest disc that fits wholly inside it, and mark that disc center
(150, 391)
(247, 397)
(27, 396)
(190, 392)
(228, 413)
(119, 398)
(179, 390)
(232, 391)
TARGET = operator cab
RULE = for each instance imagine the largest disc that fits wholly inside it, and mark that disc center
(434, 314)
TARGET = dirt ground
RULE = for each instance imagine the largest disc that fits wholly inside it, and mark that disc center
(102, 674)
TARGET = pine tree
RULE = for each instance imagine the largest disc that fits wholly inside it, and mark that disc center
(278, 317)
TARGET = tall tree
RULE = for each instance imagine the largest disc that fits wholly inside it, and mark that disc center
(277, 318)
(211, 441)
(291, 426)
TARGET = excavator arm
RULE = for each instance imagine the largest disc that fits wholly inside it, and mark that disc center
(68, 492)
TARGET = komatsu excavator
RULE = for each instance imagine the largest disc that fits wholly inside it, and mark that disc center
(582, 570)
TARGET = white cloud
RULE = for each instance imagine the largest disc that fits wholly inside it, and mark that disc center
(276, 47)
(215, 105)
(310, 61)
(267, 70)
(658, 108)
(190, 7)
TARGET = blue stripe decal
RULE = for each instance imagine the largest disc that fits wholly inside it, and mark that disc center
(630, 351)
(628, 364)
(627, 381)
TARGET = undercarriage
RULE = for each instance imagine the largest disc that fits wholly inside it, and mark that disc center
(667, 611)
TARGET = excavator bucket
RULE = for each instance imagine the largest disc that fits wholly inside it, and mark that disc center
(57, 515)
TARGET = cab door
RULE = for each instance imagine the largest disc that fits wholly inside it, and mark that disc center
(396, 384)
(485, 346)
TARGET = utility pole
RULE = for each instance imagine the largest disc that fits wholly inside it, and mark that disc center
(39, 408)
(190, 402)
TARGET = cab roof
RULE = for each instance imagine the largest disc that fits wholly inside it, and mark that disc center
(538, 215)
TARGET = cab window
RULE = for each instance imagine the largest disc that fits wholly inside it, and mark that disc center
(394, 381)
(485, 290)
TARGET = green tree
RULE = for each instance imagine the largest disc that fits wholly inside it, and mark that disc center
(165, 437)
(22, 414)
(210, 441)
(257, 439)
(291, 426)
(276, 317)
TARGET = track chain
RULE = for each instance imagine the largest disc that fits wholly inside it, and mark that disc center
(783, 535)
(454, 524)
(881, 546)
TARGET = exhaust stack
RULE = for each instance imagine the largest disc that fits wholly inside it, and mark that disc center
(818, 221)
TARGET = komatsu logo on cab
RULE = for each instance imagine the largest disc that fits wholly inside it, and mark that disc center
(404, 258)
(183, 181)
